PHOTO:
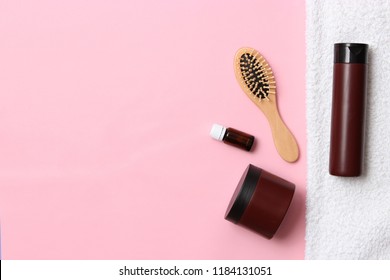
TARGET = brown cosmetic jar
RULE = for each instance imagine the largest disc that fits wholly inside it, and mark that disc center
(260, 201)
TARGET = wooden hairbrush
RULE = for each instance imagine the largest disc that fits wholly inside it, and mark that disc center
(257, 80)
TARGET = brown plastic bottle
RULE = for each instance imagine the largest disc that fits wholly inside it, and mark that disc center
(348, 109)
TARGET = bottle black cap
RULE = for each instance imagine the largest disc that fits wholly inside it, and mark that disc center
(243, 194)
(350, 53)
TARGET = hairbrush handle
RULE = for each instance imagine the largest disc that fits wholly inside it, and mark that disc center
(284, 140)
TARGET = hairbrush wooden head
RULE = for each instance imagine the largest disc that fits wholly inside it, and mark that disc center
(257, 80)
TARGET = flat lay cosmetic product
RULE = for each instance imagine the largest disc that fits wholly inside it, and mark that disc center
(256, 79)
(348, 109)
(232, 137)
(260, 201)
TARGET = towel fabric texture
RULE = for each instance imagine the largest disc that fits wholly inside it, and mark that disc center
(348, 218)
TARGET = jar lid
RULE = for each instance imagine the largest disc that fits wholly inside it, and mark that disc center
(243, 193)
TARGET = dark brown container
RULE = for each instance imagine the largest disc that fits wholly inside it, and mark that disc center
(260, 201)
(348, 109)
(232, 137)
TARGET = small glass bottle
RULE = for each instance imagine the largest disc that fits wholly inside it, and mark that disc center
(232, 137)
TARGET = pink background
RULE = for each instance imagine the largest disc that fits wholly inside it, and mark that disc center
(105, 113)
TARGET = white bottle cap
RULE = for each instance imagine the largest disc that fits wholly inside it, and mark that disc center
(218, 131)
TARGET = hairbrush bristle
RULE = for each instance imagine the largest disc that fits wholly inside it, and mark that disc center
(256, 74)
